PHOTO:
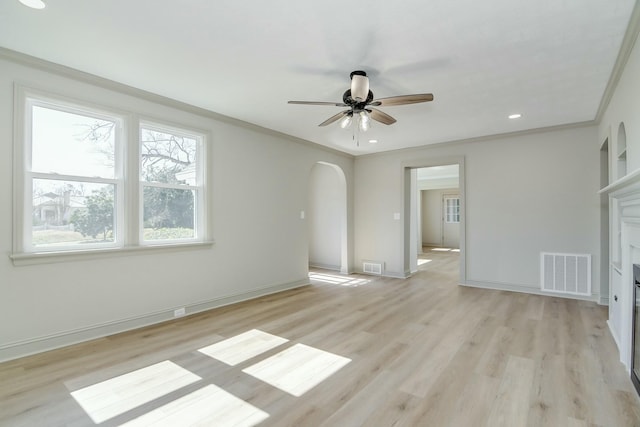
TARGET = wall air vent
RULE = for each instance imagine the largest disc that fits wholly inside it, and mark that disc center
(372, 267)
(565, 273)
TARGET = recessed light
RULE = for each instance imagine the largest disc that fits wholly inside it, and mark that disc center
(34, 4)
(373, 141)
(515, 116)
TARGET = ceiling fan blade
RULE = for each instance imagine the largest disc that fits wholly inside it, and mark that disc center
(335, 104)
(382, 117)
(402, 100)
(335, 118)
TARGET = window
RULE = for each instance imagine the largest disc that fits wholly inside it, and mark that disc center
(171, 183)
(73, 182)
(451, 209)
(76, 168)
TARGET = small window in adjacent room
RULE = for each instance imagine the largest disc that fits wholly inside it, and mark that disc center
(452, 209)
(171, 176)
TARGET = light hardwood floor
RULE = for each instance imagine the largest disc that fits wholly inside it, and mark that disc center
(345, 351)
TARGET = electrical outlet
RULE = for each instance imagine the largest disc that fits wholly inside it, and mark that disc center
(179, 312)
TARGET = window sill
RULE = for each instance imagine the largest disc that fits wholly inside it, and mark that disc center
(21, 259)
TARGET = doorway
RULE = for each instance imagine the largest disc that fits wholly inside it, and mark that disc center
(434, 212)
(439, 215)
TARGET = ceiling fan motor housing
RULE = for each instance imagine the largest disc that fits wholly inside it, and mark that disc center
(356, 105)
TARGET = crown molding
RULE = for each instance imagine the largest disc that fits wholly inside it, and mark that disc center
(72, 73)
(628, 42)
(491, 137)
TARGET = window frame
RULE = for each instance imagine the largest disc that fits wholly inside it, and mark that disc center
(128, 212)
(200, 204)
(117, 181)
(451, 216)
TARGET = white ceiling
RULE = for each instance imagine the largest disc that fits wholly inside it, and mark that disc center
(483, 60)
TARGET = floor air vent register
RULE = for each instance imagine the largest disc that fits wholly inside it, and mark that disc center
(372, 267)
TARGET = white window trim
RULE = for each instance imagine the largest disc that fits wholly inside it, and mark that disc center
(129, 205)
(200, 222)
(118, 181)
(447, 217)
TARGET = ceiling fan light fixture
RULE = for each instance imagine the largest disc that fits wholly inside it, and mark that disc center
(359, 87)
(346, 121)
(364, 121)
(33, 4)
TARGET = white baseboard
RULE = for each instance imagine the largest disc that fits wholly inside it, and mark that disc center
(391, 274)
(396, 275)
(525, 289)
(324, 266)
(41, 344)
(613, 334)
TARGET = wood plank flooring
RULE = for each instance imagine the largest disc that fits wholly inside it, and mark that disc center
(344, 351)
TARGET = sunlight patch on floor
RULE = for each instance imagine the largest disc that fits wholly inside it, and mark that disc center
(441, 249)
(423, 261)
(115, 396)
(455, 250)
(334, 279)
(294, 370)
(207, 406)
(242, 347)
(297, 369)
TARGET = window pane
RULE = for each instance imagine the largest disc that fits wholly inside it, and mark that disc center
(452, 209)
(168, 213)
(167, 158)
(72, 213)
(72, 144)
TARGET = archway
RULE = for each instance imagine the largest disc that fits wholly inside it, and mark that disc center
(327, 218)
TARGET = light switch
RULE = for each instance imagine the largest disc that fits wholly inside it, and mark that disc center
(301, 214)
(396, 216)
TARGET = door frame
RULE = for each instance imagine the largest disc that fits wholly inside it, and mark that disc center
(409, 214)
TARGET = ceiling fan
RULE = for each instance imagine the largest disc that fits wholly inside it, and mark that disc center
(360, 101)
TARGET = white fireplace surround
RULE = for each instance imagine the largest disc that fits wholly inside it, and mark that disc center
(624, 244)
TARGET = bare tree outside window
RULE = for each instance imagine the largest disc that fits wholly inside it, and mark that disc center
(76, 180)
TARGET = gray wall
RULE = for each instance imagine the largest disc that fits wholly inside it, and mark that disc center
(431, 216)
(524, 194)
(260, 185)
